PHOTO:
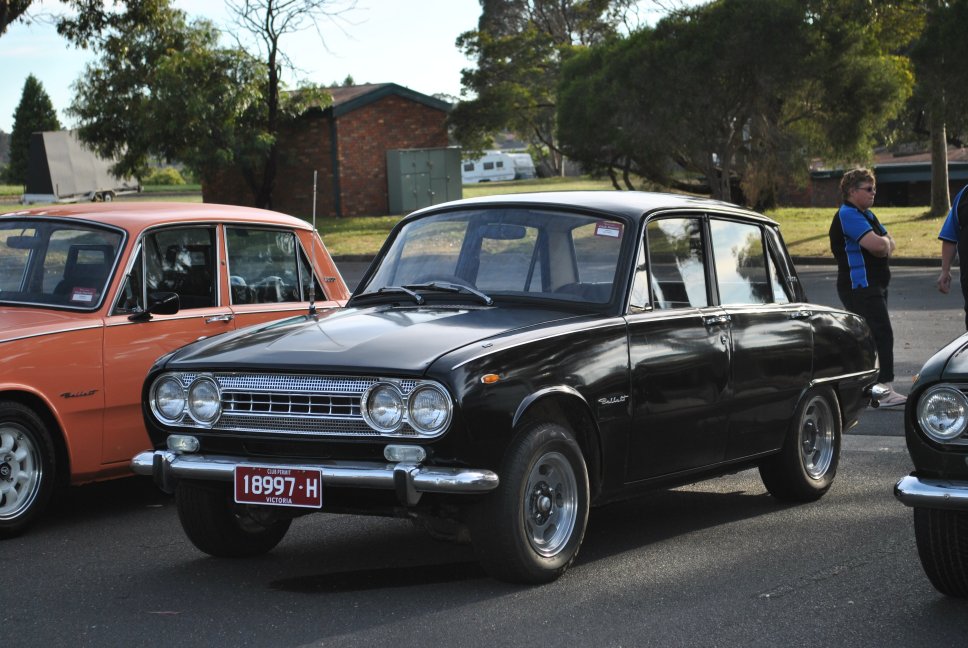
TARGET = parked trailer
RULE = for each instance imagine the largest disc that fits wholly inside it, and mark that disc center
(61, 169)
(492, 167)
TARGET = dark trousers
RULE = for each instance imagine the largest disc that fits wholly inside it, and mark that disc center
(871, 304)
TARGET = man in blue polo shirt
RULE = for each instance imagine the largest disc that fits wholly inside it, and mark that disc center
(952, 242)
(862, 248)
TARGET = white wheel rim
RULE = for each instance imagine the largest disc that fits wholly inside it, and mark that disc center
(550, 504)
(21, 471)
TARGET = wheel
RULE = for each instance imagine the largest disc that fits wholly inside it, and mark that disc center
(942, 539)
(27, 467)
(220, 527)
(530, 528)
(805, 467)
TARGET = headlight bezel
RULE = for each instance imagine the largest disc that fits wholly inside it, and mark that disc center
(406, 401)
(934, 397)
(164, 414)
(201, 382)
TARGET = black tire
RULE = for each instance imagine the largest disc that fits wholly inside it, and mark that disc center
(942, 538)
(805, 467)
(530, 528)
(220, 527)
(27, 467)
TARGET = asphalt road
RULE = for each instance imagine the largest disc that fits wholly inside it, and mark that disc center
(714, 564)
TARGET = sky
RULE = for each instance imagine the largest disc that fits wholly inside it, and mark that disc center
(408, 42)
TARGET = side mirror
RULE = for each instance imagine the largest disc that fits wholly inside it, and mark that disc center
(159, 303)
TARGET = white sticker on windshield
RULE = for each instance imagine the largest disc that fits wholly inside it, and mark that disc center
(84, 295)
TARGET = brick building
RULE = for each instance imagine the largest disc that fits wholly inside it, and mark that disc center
(346, 144)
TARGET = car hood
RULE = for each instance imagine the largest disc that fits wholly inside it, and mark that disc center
(955, 356)
(371, 340)
(19, 323)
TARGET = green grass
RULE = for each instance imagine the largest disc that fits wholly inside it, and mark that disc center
(804, 229)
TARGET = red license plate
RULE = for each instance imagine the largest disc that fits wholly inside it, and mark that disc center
(279, 486)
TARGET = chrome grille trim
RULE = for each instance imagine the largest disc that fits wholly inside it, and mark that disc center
(293, 404)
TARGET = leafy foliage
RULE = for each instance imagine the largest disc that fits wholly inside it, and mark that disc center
(162, 88)
(740, 92)
(519, 46)
(35, 112)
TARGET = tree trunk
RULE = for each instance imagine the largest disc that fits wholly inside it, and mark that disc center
(940, 197)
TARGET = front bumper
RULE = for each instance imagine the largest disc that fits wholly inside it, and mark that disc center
(932, 493)
(409, 480)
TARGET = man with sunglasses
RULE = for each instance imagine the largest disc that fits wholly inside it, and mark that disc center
(862, 247)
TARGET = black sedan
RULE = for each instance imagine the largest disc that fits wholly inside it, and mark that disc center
(936, 430)
(505, 364)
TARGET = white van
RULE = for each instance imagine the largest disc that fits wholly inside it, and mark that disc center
(492, 167)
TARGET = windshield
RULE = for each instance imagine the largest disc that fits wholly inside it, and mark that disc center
(56, 263)
(501, 252)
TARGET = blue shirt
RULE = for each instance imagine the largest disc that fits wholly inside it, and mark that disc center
(862, 268)
(952, 228)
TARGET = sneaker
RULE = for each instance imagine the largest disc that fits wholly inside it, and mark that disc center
(892, 399)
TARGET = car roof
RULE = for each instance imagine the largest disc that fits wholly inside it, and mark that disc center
(134, 216)
(632, 204)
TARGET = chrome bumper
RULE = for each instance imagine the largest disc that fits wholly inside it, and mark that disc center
(409, 480)
(932, 493)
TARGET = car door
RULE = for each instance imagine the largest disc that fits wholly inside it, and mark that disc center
(269, 274)
(172, 259)
(771, 337)
(679, 354)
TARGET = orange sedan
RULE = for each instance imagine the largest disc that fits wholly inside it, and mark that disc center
(91, 295)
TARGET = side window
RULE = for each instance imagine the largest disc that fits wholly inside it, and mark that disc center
(183, 261)
(267, 266)
(741, 271)
(678, 271)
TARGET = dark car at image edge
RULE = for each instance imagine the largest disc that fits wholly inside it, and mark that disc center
(508, 362)
(936, 431)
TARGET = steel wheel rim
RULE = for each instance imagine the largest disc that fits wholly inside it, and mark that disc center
(21, 471)
(551, 504)
(817, 438)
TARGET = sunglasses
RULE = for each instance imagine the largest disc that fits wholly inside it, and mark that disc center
(870, 189)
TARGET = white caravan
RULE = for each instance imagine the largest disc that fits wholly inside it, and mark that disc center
(492, 167)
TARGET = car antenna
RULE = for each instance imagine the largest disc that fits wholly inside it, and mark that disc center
(312, 270)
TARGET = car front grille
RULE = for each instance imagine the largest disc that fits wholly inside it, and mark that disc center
(296, 405)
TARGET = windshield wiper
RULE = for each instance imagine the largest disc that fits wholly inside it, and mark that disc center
(454, 288)
(393, 289)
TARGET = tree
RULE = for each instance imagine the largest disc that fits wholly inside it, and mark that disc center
(941, 90)
(519, 46)
(268, 21)
(35, 112)
(162, 88)
(737, 90)
(11, 10)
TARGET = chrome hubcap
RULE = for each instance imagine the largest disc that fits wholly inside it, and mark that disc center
(551, 507)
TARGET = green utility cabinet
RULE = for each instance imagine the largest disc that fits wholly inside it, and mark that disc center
(422, 177)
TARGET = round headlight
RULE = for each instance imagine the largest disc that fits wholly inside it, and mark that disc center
(429, 409)
(383, 407)
(943, 413)
(168, 398)
(204, 400)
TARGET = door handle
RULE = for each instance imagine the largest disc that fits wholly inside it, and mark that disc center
(226, 317)
(713, 320)
(801, 314)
